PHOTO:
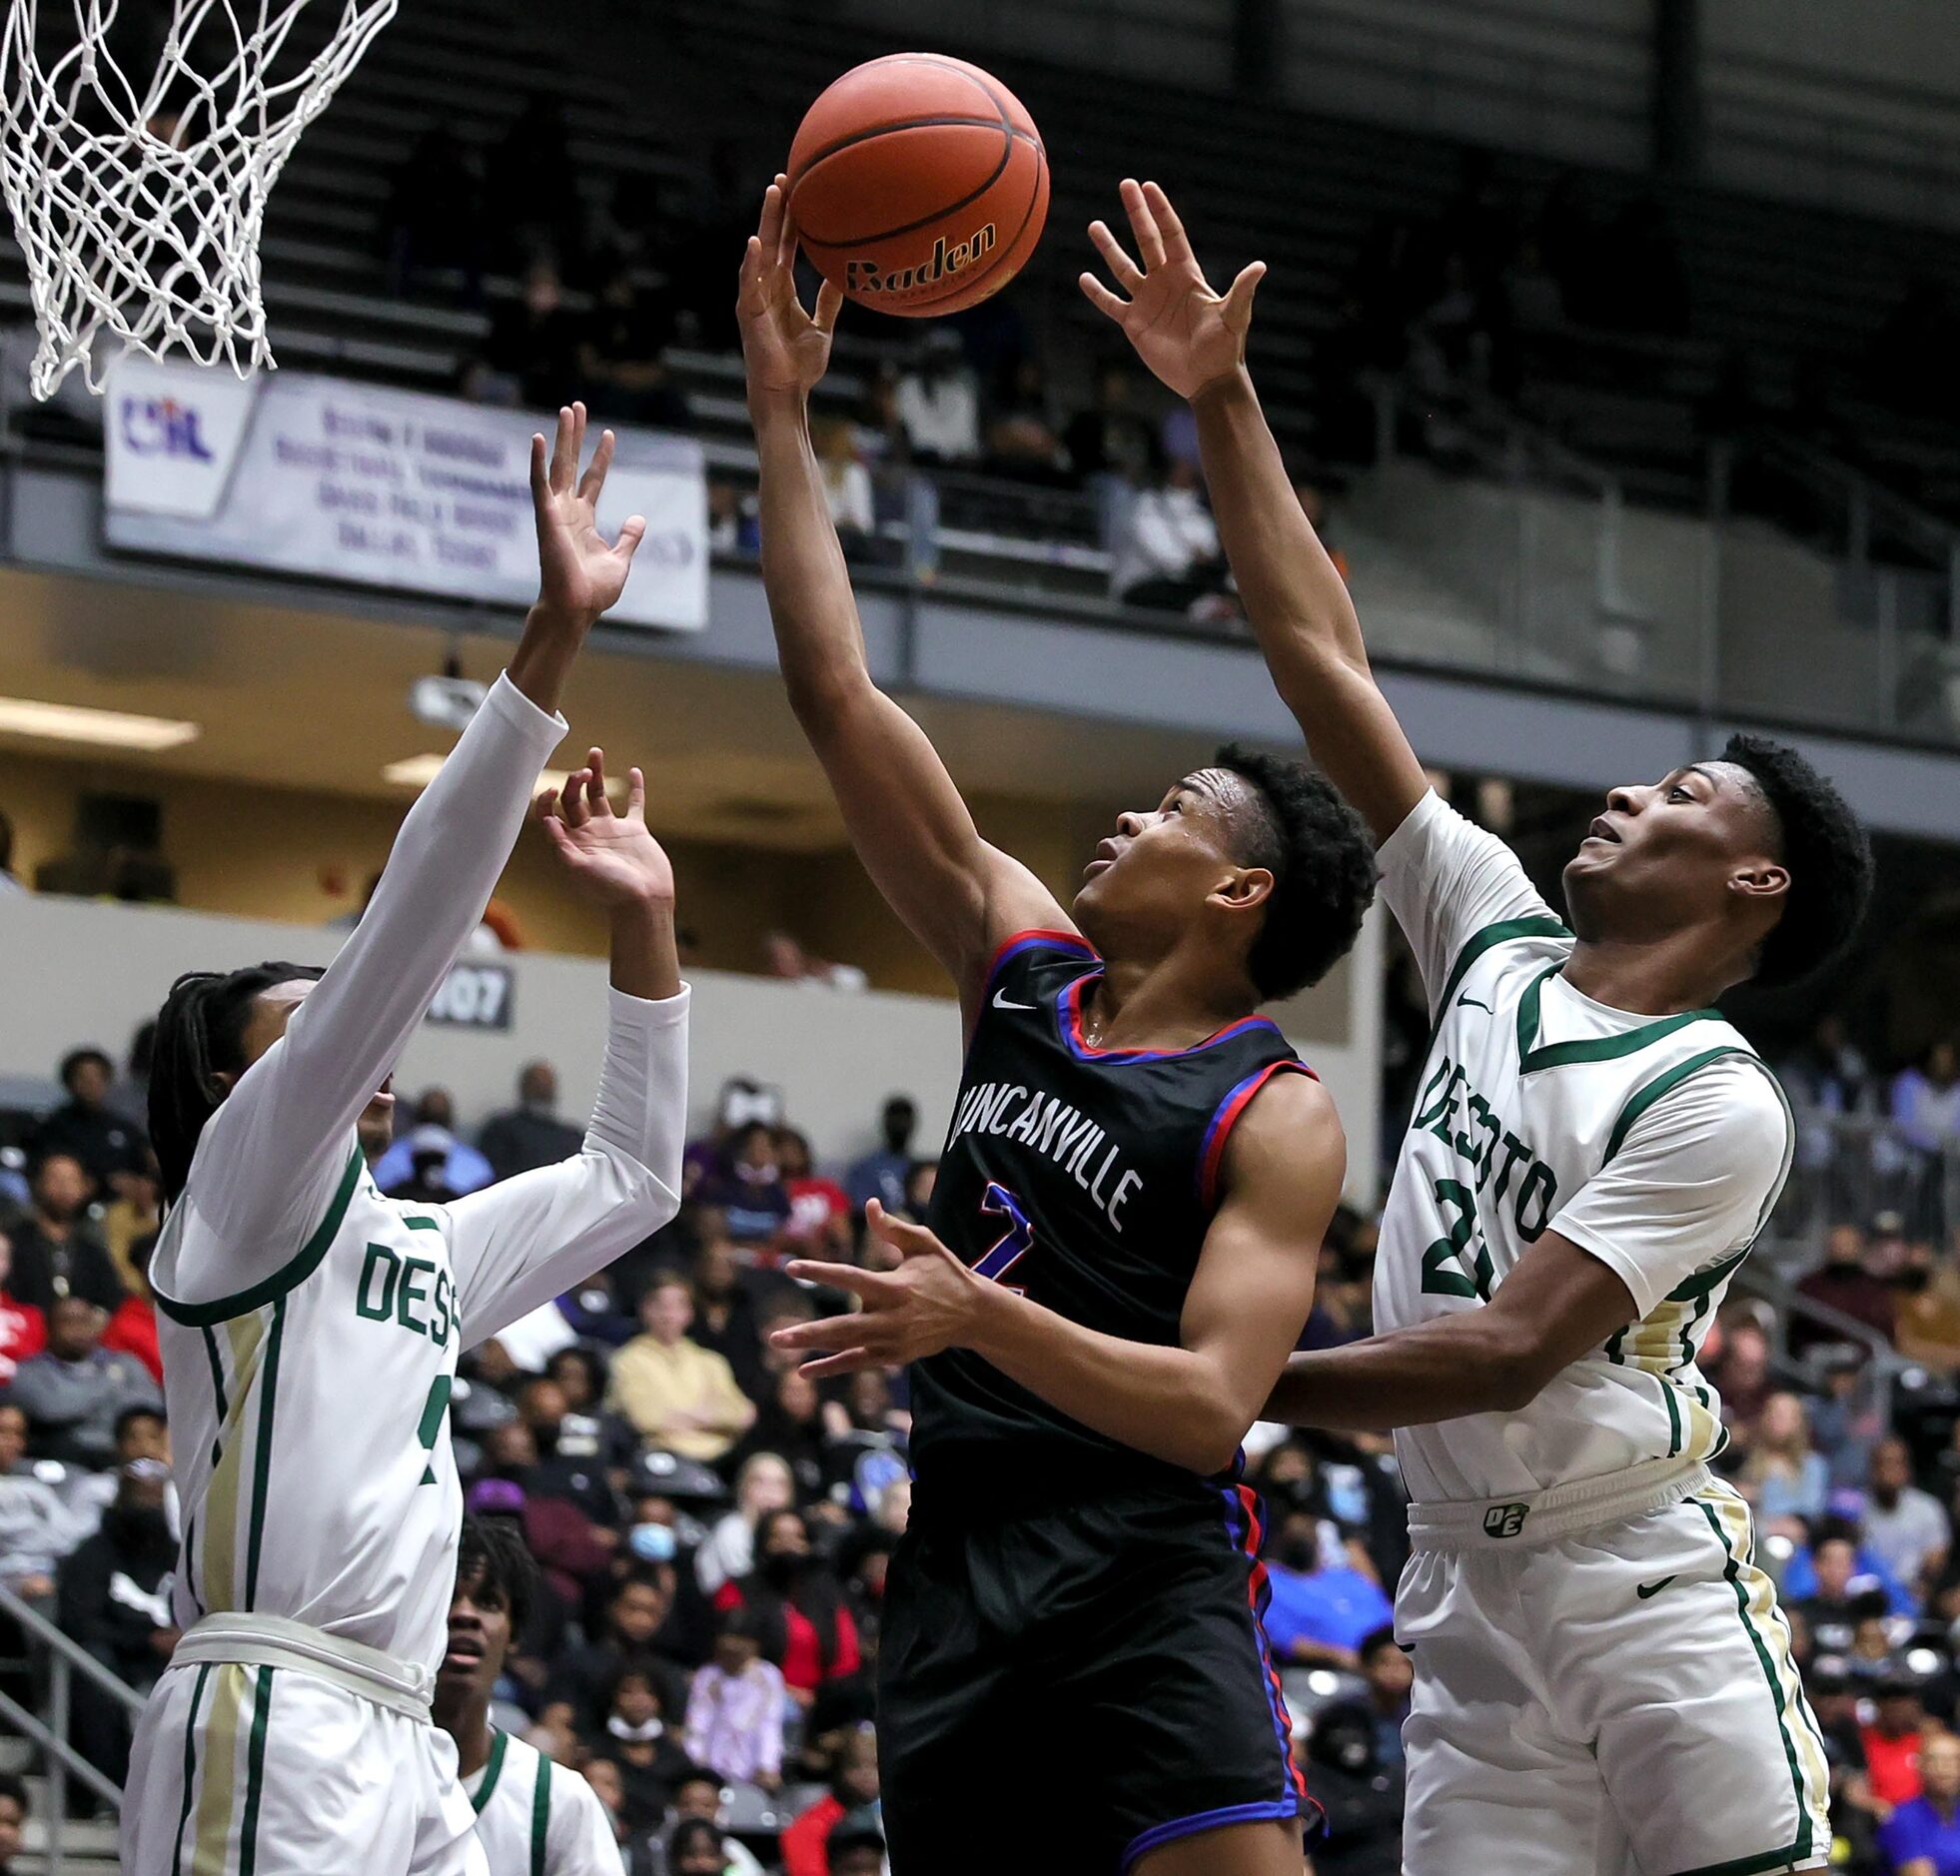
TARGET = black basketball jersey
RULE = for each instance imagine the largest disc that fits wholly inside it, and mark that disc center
(1087, 1179)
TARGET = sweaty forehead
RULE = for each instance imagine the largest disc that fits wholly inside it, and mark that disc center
(1739, 792)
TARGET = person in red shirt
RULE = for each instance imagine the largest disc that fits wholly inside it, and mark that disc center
(808, 1630)
(132, 1328)
(23, 1329)
(1892, 1742)
(819, 1210)
(853, 1788)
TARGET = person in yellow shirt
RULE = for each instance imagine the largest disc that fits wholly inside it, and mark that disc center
(677, 1394)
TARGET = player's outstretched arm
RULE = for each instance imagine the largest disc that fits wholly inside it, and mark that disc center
(518, 1244)
(1555, 1304)
(1195, 340)
(1189, 1406)
(958, 895)
(283, 1130)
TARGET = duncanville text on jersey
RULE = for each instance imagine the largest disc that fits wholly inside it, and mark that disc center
(1053, 1127)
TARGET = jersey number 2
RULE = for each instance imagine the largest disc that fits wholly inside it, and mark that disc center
(1013, 1244)
(1448, 1268)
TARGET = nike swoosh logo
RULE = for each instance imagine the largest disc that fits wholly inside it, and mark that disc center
(1645, 1591)
(1468, 1000)
(1002, 1001)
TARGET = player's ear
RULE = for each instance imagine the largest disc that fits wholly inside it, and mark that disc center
(1244, 889)
(1760, 880)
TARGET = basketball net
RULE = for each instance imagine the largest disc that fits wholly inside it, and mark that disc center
(139, 196)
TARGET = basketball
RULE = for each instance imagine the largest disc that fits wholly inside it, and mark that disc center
(918, 183)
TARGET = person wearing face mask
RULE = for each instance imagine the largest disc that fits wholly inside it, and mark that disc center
(637, 1738)
(1320, 1609)
(113, 1597)
(800, 1613)
(530, 1134)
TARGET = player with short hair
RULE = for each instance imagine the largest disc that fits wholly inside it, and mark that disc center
(1603, 1675)
(311, 1328)
(535, 1817)
(1123, 1241)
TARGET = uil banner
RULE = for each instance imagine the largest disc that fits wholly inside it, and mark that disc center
(301, 474)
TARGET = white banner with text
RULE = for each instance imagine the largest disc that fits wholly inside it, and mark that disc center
(302, 473)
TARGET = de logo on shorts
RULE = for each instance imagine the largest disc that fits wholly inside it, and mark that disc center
(1504, 1521)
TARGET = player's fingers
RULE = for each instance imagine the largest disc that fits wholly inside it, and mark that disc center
(1149, 244)
(780, 250)
(1177, 244)
(748, 278)
(633, 530)
(901, 1234)
(593, 479)
(637, 794)
(561, 838)
(874, 1285)
(545, 807)
(1124, 270)
(830, 302)
(572, 799)
(1238, 296)
(541, 477)
(560, 476)
(825, 1332)
(595, 795)
(1101, 298)
(851, 1362)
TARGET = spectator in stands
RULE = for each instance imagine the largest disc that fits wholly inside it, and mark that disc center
(590, 1427)
(790, 1425)
(14, 1808)
(38, 1528)
(798, 1605)
(531, 188)
(1922, 1837)
(698, 1848)
(921, 1177)
(1834, 1701)
(1925, 1105)
(530, 1135)
(433, 220)
(939, 402)
(623, 356)
(725, 1309)
(881, 1173)
(857, 1848)
(847, 485)
(1167, 557)
(1112, 440)
(765, 1484)
(1842, 1283)
(142, 1432)
(1022, 441)
(85, 1128)
(1321, 1610)
(132, 1218)
(854, 1781)
(1360, 1792)
(735, 1707)
(1784, 1479)
(677, 1394)
(531, 351)
(9, 884)
(1830, 1072)
(74, 1390)
(638, 1739)
(459, 1168)
(638, 1629)
(594, 1313)
(819, 1208)
(1389, 1677)
(1832, 1611)
(1928, 1330)
(114, 1599)
(129, 1094)
(1741, 1373)
(56, 1250)
(23, 1328)
(1892, 1737)
(1905, 1528)
(745, 1186)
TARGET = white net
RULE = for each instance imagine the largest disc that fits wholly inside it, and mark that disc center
(139, 143)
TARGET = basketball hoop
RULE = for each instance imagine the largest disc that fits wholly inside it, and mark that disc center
(137, 159)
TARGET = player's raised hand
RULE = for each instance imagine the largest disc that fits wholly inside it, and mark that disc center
(785, 347)
(612, 858)
(928, 1304)
(581, 573)
(1187, 335)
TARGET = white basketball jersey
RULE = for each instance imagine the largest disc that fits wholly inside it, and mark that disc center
(539, 1818)
(1658, 1145)
(309, 1420)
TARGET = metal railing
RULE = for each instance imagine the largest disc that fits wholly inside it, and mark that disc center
(53, 1660)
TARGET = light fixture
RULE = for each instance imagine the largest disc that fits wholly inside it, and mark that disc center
(105, 729)
(417, 771)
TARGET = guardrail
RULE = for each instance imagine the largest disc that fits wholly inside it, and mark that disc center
(60, 1659)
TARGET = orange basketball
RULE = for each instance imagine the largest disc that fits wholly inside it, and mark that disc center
(918, 183)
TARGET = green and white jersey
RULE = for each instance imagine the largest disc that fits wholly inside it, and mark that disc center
(1657, 1144)
(310, 1328)
(536, 1817)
